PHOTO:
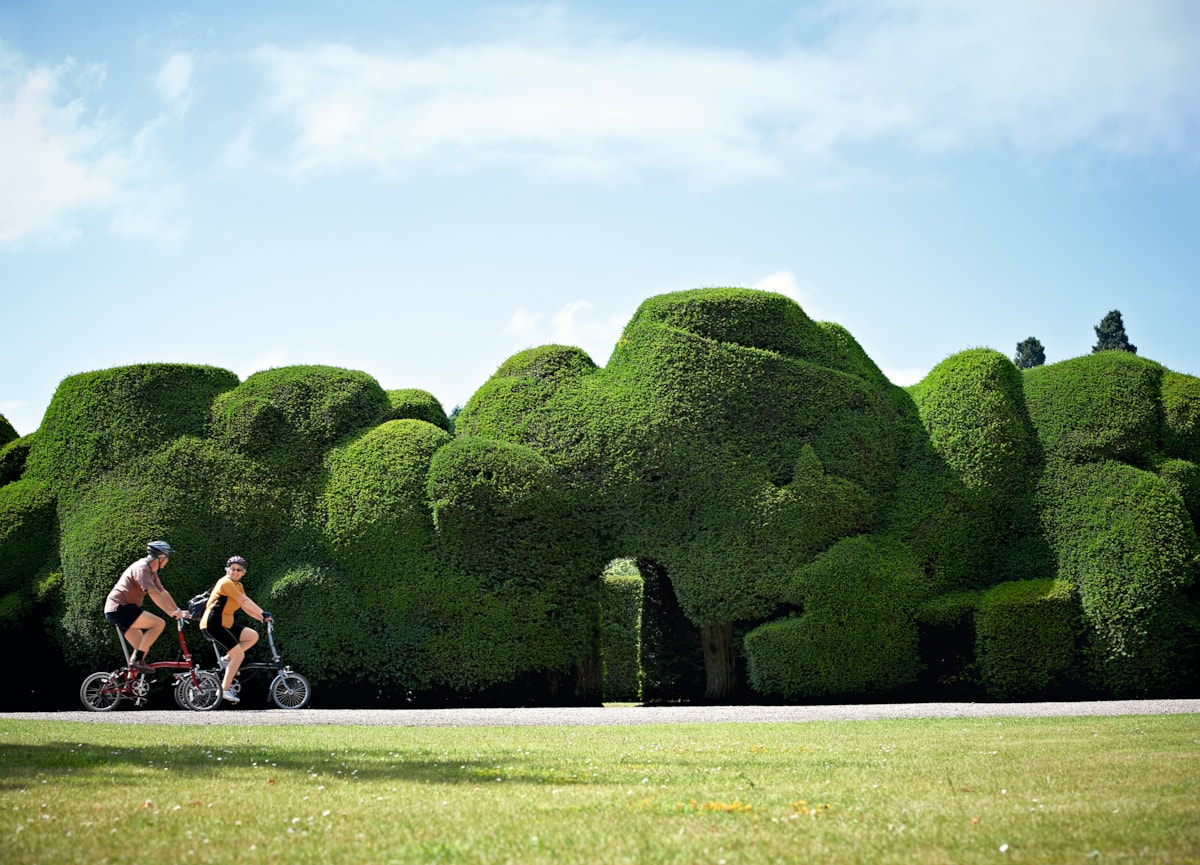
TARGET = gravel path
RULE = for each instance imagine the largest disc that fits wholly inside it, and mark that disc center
(614, 715)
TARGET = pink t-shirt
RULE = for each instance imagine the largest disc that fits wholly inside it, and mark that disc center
(133, 585)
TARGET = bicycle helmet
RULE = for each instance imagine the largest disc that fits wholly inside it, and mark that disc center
(235, 560)
(154, 549)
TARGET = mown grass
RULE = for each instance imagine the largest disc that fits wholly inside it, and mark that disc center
(937, 791)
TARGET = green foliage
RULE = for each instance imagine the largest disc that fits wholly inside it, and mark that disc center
(325, 629)
(13, 457)
(1182, 477)
(1030, 353)
(97, 421)
(620, 633)
(206, 502)
(1101, 406)
(515, 588)
(378, 522)
(418, 405)
(1125, 540)
(768, 479)
(1027, 633)
(7, 433)
(1110, 334)
(857, 634)
(973, 408)
(28, 530)
(949, 609)
(289, 417)
(1181, 415)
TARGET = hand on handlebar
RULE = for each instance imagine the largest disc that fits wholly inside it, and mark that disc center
(267, 617)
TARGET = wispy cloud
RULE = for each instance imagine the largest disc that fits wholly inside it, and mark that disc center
(575, 323)
(175, 77)
(52, 159)
(930, 75)
(58, 161)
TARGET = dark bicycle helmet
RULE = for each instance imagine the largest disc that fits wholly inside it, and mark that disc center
(235, 560)
(158, 548)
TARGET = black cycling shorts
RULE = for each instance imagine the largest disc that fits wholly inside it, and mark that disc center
(224, 637)
(124, 616)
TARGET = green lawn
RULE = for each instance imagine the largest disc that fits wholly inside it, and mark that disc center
(998, 790)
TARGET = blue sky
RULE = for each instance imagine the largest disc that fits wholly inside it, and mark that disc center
(420, 190)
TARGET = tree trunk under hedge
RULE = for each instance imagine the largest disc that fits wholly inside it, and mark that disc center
(719, 670)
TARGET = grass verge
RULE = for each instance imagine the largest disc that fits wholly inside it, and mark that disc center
(937, 791)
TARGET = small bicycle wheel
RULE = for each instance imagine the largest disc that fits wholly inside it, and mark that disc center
(290, 690)
(100, 692)
(202, 697)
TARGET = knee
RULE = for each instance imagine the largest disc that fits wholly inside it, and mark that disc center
(249, 637)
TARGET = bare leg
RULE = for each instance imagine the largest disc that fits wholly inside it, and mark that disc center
(236, 655)
(145, 629)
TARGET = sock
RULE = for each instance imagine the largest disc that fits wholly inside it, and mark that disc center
(136, 656)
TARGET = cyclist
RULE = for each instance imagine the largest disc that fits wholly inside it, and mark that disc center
(123, 606)
(226, 598)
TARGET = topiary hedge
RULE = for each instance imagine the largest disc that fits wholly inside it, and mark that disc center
(1028, 634)
(418, 405)
(516, 589)
(1125, 540)
(290, 416)
(973, 407)
(7, 432)
(97, 421)
(209, 503)
(13, 457)
(1181, 415)
(620, 631)
(790, 511)
(856, 635)
(28, 531)
(1100, 406)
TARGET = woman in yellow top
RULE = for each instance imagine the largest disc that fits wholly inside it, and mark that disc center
(227, 597)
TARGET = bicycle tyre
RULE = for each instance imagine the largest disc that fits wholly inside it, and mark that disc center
(199, 699)
(101, 692)
(290, 690)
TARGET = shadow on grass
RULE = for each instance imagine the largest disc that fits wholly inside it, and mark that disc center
(20, 763)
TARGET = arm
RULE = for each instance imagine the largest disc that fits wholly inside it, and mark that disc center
(251, 609)
(165, 602)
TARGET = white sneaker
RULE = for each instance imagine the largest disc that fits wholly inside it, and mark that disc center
(230, 696)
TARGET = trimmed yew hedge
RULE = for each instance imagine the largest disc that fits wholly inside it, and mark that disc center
(856, 539)
(1028, 634)
(621, 631)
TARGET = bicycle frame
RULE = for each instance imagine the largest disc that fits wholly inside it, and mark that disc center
(275, 664)
(182, 662)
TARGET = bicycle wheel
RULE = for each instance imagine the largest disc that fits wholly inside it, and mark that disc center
(100, 692)
(202, 697)
(290, 690)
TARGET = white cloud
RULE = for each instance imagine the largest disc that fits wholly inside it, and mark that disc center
(1101, 75)
(52, 163)
(240, 152)
(523, 322)
(59, 162)
(175, 77)
(575, 324)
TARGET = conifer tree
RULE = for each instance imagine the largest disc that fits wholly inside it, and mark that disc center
(1030, 353)
(1110, 335)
